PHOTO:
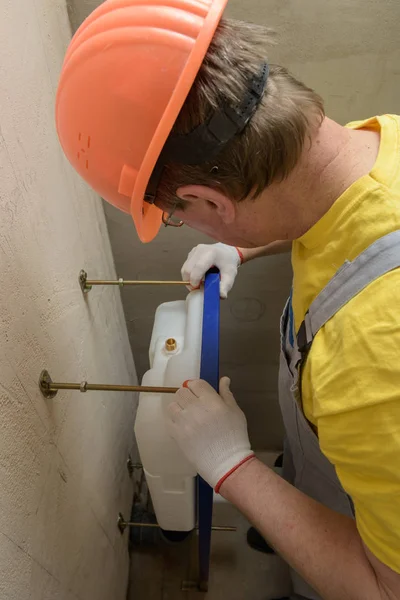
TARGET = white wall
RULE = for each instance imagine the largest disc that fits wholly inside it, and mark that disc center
(63, 477)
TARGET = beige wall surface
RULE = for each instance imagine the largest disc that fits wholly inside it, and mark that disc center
(63, 476)
(349, 51)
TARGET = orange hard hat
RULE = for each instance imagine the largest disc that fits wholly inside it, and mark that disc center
(125, 78)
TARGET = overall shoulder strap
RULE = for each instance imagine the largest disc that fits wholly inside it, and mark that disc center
(379, 258)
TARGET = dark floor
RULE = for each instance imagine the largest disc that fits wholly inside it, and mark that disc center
(237, 572)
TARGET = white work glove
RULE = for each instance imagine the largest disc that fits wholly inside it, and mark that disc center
(210, 429)
(204, 256)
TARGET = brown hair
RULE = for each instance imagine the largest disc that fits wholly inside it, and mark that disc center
(271, 144)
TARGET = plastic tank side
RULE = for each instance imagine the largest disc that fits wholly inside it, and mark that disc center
(170, 477)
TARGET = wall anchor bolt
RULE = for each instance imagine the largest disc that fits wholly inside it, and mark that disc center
(86, 284)
(49, 388)
(122, 525)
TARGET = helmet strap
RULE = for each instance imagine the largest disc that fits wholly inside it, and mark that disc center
(206, 141)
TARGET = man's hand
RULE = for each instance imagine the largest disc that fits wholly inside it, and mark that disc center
(210, 429)
(204, 256)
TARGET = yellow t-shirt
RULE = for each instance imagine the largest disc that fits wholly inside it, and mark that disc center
(351, 379)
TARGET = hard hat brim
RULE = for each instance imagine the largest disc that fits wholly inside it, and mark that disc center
(147, 217)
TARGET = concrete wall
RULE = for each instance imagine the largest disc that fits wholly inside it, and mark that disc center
(63, 475)
(347, 50)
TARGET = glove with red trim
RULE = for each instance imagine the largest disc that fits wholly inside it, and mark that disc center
(210, 429)
(204, 256)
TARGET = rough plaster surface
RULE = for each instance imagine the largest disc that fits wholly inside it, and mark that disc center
(349, 52)
(63, 475)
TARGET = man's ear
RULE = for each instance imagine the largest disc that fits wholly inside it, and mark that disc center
(217, 201)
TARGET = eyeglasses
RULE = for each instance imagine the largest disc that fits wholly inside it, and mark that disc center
(170, 220)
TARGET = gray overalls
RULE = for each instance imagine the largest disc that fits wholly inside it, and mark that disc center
(305, 466)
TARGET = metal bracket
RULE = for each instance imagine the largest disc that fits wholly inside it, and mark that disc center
(45, 382)
(131, 466)
(83, 282)
(121, 523)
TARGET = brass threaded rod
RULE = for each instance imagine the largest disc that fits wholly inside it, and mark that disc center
(49, 388)
(87, 284)
(97, 387)
(156, 526)
(124, 282)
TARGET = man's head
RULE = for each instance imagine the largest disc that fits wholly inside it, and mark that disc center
(141, 80)
(218, 197)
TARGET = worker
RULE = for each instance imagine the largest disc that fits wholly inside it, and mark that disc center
(174, 114)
